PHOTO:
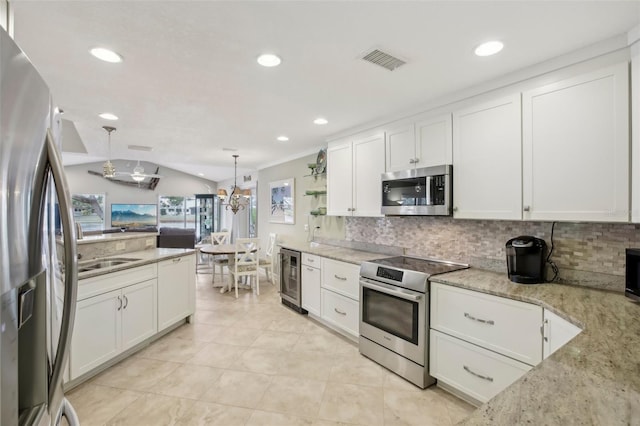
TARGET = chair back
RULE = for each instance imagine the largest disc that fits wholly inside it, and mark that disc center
(272, 244)
(220, 237)
(247, 252)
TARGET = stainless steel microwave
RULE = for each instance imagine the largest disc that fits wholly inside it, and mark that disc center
(422, 192)
(632, 274)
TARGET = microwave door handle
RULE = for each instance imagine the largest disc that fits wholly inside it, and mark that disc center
(70, 267)
(390, 291)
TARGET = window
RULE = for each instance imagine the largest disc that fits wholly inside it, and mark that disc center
(176, 211)
(88, 211)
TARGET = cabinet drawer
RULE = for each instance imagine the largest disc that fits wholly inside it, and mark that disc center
(341, 277)
(90, 287)
(311, 260)
(340, 311)
(477, 372)
(311, 289)
(506, 326)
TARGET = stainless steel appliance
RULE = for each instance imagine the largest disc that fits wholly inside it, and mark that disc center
(424, 191)
(632, 274)
(37, 248)
(394, 314)
(291, 279)
(526, 259)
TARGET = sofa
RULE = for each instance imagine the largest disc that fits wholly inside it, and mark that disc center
(176, 238)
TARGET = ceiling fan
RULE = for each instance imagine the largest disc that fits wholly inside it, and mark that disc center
(138, 173)
(109, 170)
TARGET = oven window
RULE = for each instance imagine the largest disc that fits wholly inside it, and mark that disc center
(391, 314)
(418, 191)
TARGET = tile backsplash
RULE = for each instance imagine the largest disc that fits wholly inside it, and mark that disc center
(590, 254)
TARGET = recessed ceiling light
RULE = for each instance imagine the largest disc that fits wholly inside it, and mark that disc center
(320, 121)
(489, 48)
(108, 116)
(200, 174)
(269, 60)
(282, 138)
(106, 54)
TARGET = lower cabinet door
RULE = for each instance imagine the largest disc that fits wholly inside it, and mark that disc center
(173, 291)
(340, 311)
(139, 318)
(311, 289)
(475, 371)
(97, 332)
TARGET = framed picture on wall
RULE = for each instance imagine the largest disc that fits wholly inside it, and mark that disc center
(282, 195)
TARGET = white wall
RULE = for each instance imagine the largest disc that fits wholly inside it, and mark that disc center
(330, 226)
(172, 182)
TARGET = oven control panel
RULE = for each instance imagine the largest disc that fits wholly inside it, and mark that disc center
(390, 274)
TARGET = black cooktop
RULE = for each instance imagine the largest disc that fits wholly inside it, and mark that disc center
(426, 266)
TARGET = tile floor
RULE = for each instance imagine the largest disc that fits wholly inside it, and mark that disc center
(252, 361)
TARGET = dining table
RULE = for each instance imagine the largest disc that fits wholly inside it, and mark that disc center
(220, 250)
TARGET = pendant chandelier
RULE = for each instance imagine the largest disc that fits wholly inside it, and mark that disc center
(239, 198)
(108, 169)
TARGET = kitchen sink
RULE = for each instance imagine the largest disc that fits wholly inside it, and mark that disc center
(92, 265)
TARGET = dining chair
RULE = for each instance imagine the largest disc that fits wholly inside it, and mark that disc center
(245, 262)
(223, 237)
(267, 262)
(199, 262)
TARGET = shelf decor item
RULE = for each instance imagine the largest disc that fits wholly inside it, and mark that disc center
(282, 201)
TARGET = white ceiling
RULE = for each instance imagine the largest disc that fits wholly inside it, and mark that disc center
(190, 86)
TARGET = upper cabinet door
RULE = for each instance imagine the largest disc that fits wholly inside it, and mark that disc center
(487, 172)
(339, 172)
(433, 141)
(368, 167)
(576, 148)
(400, 147)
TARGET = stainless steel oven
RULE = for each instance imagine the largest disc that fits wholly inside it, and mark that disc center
(394, 314)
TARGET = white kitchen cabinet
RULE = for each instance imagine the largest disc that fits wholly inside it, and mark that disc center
(506, 326)
(175, 281)
(477, 372)
(97, 332)
(354, 167)
(557, 332)
(341, 312)
(635, 132)
(341, 277)
(487, 156)
(576, 148)
(311, 281)
(400, 144)
(111, 323)
(139, 318)
(424, 143)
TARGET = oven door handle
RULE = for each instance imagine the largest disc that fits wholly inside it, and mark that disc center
(387, 289)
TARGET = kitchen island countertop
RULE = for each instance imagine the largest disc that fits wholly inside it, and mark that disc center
(143, 257)
(594, 379)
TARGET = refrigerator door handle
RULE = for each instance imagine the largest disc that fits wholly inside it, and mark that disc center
(70, 268)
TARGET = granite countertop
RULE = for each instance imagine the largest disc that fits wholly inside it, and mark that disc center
(101, 238)
(334, 252)
(593, 379)
(143, 257)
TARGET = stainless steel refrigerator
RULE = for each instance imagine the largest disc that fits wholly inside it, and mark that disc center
(38, 281)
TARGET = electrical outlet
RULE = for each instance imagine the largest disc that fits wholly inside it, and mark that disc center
(306, 227)
(120, 246)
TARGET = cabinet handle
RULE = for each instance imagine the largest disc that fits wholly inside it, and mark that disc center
(120, 303)
(468, 370)
(416, 160)
(311, 260)
(340, 278)
(543, 330)
(126, 302)
(526, 208)
(310, 269)
(177, 259)
(455, 209)
(412, 160)
(339, 311)
(490, 322)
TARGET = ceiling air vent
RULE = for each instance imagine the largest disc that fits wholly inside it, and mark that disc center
(383, 59)
(140, 148)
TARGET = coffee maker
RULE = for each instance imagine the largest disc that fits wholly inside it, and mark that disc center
(526, 258)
